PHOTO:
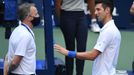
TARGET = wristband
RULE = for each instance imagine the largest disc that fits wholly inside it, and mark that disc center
(72, 54)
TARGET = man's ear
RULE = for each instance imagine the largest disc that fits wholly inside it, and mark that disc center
(107, 9)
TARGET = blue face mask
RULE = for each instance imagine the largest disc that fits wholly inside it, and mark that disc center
(36, 21)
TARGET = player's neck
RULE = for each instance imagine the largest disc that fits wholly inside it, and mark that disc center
(107, 19)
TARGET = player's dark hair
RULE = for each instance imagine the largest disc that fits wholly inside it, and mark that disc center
(106, 3)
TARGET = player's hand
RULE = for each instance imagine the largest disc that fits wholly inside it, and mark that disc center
(61, 49)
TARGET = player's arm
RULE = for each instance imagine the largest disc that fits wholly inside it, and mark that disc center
(15, 62)
(90, 55)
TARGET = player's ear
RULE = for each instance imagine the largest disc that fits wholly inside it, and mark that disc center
(107, 9)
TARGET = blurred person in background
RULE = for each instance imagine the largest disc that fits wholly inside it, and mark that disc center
(90, 11)
(73, 24)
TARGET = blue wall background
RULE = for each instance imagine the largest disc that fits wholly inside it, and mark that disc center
(122, 16)
(123, 20)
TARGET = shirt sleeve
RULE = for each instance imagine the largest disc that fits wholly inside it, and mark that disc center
(103, 41)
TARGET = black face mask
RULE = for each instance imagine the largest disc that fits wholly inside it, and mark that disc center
(36, 21)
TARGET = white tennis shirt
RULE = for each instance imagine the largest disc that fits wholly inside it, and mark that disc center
(108, 44)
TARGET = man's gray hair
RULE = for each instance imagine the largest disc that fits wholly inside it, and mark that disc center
(24, 10)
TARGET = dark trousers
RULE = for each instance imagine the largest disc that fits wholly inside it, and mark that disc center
(18, 74)
(74, 26)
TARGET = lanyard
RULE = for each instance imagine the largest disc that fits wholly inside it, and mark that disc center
(27, 29)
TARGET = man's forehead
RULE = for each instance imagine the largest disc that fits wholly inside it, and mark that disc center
(33, 8)
(98, 5)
